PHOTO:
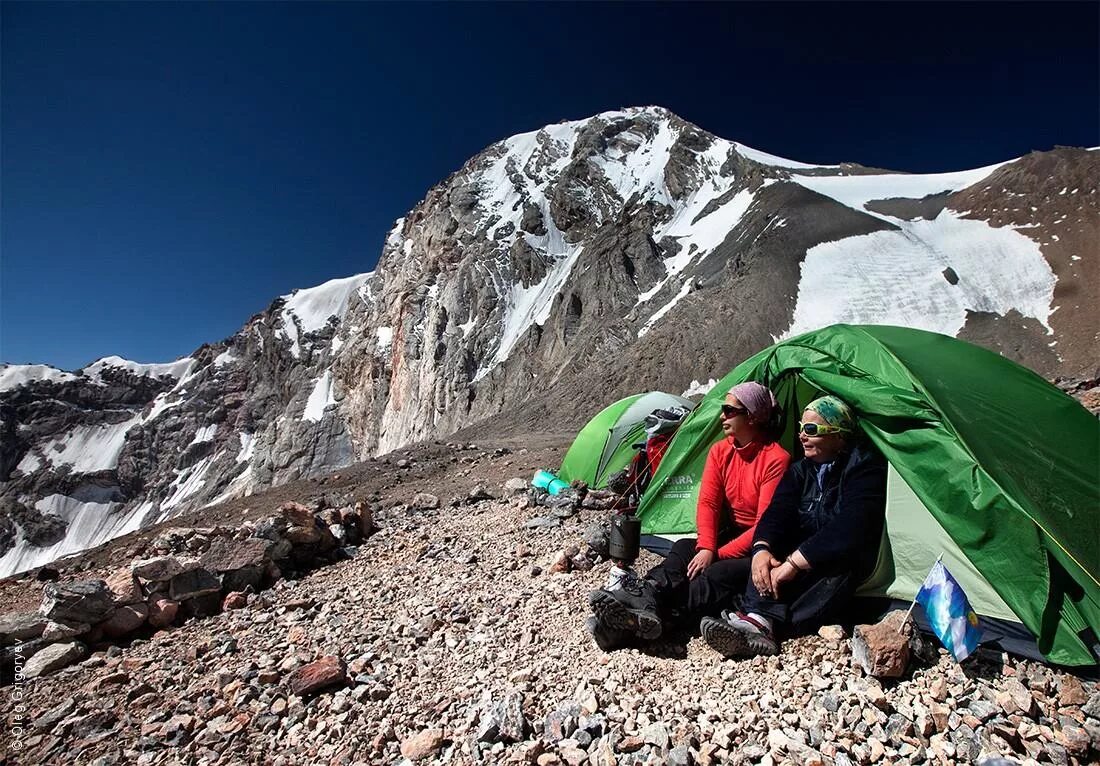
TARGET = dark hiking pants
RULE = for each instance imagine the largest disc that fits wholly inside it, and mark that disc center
(805, 604)
(684, 601)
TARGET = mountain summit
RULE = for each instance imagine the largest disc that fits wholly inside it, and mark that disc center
(555, 271)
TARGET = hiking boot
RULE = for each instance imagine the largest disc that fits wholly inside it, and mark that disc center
(631, 607)
(606, 638)
(737, 636)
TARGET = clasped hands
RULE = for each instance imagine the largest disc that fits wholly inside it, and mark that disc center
(769, 573)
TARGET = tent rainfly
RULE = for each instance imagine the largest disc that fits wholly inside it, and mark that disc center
(989, 464)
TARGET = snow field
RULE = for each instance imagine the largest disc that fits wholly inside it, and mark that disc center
(319, 398)
(896, 277)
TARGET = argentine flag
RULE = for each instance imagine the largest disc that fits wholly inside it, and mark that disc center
(949, 612)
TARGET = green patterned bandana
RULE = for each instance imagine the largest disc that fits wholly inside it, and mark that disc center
(834, 412)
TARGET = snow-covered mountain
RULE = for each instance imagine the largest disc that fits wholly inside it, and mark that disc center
(555, 271)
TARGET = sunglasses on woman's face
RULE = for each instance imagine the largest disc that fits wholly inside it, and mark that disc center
(816, 429)
(729, 411)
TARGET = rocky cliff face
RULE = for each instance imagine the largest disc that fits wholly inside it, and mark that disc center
(555, 271)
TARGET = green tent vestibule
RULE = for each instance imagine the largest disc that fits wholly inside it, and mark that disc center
(989, 464)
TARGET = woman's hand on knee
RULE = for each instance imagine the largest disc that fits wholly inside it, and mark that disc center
(699, 562)
(763, 562)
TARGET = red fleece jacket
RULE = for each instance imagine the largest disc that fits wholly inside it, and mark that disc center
(738, 483)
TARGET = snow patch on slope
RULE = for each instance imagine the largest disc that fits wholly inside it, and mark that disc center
(319, 398)
(89, 524)
(177, 369)
(187, 482)
(15, 375)
(29, 464)
(527, 306)
(310, 309)
(383, 339)
(896, 277)
(248, 447)
(225, 358)
(770, 159)
(89, 448)
(314, 306)
(205, 434)
(684, 290)
(856, 191)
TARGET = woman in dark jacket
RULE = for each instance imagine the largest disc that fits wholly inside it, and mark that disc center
(817, 540)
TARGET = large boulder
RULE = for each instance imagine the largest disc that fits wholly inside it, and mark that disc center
(125, 620)
(20, 627)
(243, 579)
(226, 555)
(162, 612)
(124, 587)
(60, 631)
(54, 657)
(304, 534)
(163, 568)
(89, 601)
(296, 515)
(193, 583)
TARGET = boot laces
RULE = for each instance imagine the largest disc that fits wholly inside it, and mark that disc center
(632, 584)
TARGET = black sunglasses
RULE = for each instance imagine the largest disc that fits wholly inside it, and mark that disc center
(729, 411)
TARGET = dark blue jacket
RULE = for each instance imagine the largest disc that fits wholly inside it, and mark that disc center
(837, 528)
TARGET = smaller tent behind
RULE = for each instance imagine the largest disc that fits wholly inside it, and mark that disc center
(606, 443)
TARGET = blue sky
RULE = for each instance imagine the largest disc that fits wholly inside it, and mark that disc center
(166, 170)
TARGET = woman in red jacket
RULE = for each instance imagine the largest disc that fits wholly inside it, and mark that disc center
(702, 575)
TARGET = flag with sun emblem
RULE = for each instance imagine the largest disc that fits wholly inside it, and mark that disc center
(949, 612)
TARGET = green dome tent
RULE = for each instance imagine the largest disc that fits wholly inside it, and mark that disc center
(605, 444)
(989, 464)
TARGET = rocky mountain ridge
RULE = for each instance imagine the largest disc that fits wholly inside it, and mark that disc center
(553, 272)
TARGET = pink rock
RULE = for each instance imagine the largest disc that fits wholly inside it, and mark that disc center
(366, 520)
(882, 650)
(423, 745)
(162, 612)
(124, 587)
(125, 620)
(562, 563)
(235, 600)
(325, 672)
(1072, 692)
(296, 514)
